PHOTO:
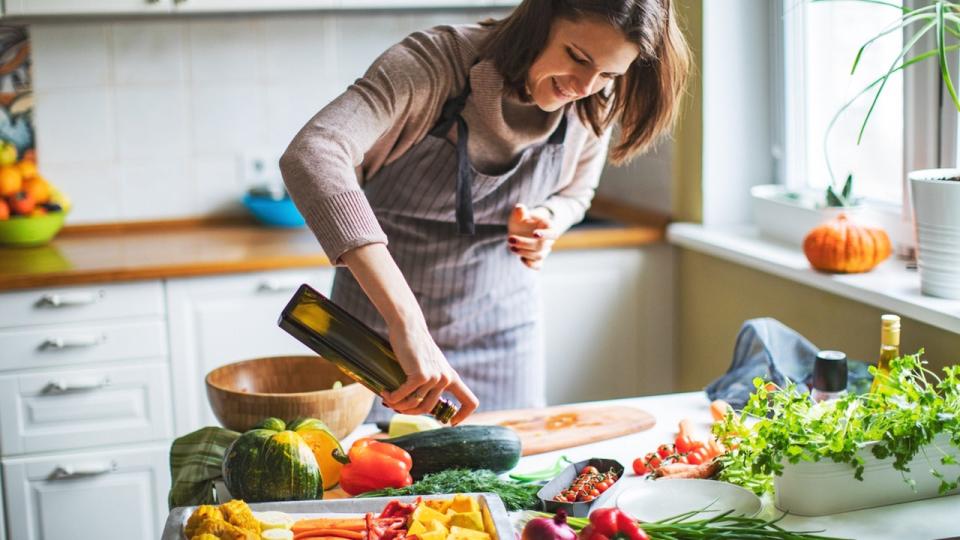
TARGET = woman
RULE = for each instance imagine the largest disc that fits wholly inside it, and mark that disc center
(470, 149)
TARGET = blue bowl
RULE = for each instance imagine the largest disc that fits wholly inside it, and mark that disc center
(274, 212)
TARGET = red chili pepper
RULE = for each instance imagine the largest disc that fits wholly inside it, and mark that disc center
(375, 465)
(612, 524)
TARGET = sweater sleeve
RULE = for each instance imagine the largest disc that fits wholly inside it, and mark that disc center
(570, 204)
(373, 122)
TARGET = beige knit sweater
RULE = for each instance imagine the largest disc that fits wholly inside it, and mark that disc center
(393, 107)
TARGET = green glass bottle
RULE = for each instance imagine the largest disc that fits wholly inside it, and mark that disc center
(349, 343)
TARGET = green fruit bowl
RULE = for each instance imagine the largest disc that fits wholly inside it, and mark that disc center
(26, 231)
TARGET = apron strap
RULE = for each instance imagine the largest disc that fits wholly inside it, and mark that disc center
(560, 133)
(451, 112)
(465, 224)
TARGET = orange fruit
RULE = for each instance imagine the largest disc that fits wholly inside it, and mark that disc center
(4, 210)
(29, 155)
(38, 188)
(11, 181)
(39, 211)
(28, 169)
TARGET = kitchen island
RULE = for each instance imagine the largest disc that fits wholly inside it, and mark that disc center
(927, 519)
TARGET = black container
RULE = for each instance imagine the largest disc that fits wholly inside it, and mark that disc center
(567, 476)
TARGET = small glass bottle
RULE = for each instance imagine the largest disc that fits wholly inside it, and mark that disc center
(829, 376)
(349, 343)
(889, 349)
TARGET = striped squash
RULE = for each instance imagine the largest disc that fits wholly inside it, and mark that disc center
(272, 463)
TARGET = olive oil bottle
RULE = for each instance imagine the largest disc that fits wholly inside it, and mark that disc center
(889, 349)
(349, 343)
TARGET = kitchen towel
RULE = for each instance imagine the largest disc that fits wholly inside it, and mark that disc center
(768, 349)
(195, 464)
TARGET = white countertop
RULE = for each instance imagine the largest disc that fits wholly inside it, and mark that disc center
(927, 519)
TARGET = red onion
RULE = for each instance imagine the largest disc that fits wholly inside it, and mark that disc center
(544, 528)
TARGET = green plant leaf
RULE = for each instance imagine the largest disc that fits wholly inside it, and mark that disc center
(941, 48)
(910, 43)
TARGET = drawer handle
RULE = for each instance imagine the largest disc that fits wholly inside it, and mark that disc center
(70, 299)
(63, 387)
(279, 285)
(67, 472)
(60, 343)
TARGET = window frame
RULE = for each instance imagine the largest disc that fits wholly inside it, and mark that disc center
(929, 123)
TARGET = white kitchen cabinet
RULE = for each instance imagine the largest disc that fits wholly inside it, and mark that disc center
(218, 320)
(56, 305)
(85, 7)
(608, 323)
(3, 524)
(120, 7)
(110, 493)
(59, 410)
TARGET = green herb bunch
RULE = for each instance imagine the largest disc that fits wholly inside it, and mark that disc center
(780, 425)
(515, 496)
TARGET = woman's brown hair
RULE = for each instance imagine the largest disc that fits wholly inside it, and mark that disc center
(644, 101)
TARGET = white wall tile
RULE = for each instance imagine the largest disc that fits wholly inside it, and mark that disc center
(289, 107)
(361, 38)
(227, 117)
(299, 48)
(225, 50)
(148, 52)
(156, 189)
(69, 55)
(152, 122)
(75, 125)
(92, 187)
(219, 189)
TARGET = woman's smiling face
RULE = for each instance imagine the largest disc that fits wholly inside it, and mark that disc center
(580, 59)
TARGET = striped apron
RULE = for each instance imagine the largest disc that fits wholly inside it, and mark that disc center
(447, 228)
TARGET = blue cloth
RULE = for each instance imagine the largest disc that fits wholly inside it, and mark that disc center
(768, 349)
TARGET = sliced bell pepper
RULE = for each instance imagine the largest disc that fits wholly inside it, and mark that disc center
(373, 465)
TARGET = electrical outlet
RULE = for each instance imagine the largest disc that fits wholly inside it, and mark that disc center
(259, 168)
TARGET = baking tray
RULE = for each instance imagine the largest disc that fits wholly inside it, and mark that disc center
(567, 476)
(489, 502)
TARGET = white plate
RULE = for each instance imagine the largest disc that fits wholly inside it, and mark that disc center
(654, 500)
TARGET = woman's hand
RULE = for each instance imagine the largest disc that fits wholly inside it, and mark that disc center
(530, 235)
(428, 375)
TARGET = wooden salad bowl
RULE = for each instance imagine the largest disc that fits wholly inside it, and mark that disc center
(286, 387)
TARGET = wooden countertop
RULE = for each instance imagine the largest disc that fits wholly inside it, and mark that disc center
(135, 251)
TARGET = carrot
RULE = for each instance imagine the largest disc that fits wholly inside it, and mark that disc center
(718, 409)
(346, 524)
(686, 428)
(715, 448)
(339, 533)
(310, 534)
(684, 470)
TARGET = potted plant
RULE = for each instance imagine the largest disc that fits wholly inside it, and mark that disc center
(935, 192)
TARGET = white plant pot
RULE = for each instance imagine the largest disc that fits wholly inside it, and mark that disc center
(936, 217)
(787, 216)
(826, 487)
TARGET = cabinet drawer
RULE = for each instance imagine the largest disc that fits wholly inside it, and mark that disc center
(116, 493)
(76, 304)
(58, 410)
(62, 345)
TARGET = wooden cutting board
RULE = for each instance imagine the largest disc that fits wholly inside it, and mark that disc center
(555, 428)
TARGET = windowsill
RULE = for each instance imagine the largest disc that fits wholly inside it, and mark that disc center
(890, 286)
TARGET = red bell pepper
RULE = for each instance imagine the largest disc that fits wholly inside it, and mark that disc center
(612, 524)
(373, 465)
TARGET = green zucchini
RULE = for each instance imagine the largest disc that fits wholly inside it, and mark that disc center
(463, 447)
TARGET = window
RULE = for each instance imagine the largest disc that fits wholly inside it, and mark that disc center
(820, 43)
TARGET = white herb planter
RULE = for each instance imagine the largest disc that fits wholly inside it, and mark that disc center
(787, 216)
(826, 487)
(936, 217)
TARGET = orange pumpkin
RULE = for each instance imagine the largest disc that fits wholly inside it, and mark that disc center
(842, 246)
